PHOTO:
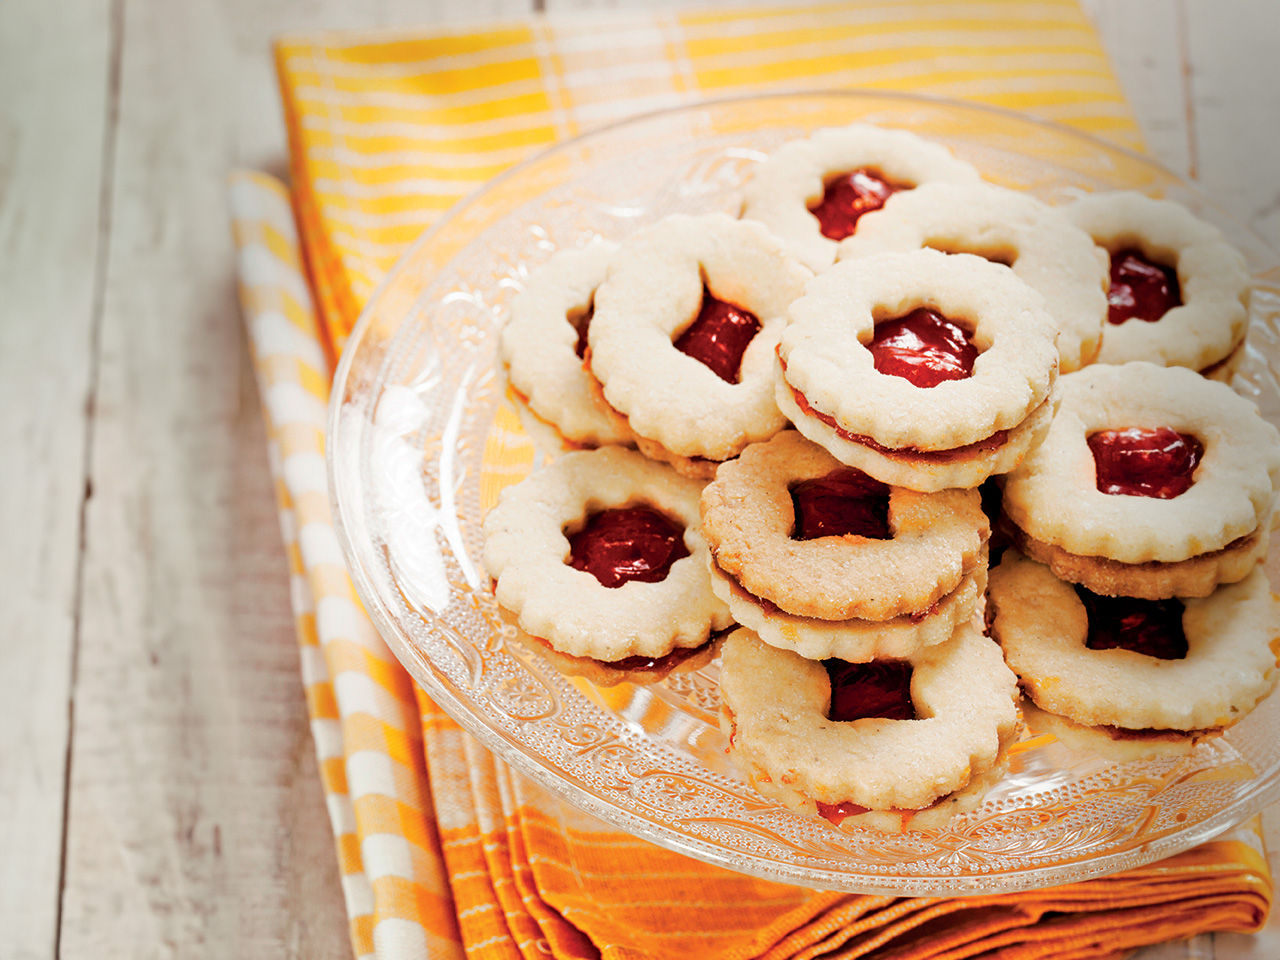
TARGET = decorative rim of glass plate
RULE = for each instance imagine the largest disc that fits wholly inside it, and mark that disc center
(420, 405)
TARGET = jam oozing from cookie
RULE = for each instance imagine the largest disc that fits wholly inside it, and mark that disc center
(846, 198)
(837, 812)
(881, 688)
(719, 336)
(923, 347)
(582, 323)
(1154, 462)
(979, 448)
(1140, 288)
(633, 543)
(1151, 627)
(843, 502)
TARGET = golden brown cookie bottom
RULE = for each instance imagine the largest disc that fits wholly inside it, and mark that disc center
(1117, 744)
(1196, 576)
(855, 641)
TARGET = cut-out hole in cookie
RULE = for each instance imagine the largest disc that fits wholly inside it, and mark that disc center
(719, 336)
(1005, 255)
(846, 197)
(631, 543)
(1156, 462)
(1141, 289)
(879, 689)
(1150, 627)
(843, 502)
(923, 347)
(580, 320)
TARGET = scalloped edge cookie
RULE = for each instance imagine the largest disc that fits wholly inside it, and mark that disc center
(825, 357)
(748, 517)
(539, 344)
(1052, 497)
(965, 467)
(855, 641)
(1232, 639)
(1113, 743)
(777, 703)
(526, 549)
(1043, 248)
(651, 295)
(794, 177)
(1214, 276)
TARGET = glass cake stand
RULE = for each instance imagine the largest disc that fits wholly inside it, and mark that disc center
(424, 432)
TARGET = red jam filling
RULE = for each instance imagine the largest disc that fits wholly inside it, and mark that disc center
(1140, 289)
(582, 324)
(842, 502)
(846, 198)
(634, 543)
(837, 812)
(667, 662)
(881, 688)
(1145, 462)
(992, 442)
(923, 347)
(719, 336)
(1151, 627)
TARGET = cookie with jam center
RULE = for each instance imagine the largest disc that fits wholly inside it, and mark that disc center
(799, 536)
(888, 735)
(1193, 666)
(1178, 290)
(683, 336)
(1152, 482)
(600, 554)
(923, 369)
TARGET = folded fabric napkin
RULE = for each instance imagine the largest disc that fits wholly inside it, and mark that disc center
(444, 850)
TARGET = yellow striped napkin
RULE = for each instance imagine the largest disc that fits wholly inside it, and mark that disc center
(388, 131)
(443, 850)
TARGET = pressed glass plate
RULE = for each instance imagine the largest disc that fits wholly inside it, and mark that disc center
(424, 433)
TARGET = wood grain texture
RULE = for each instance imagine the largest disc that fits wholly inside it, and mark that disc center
(196, 825)
(1144, 39)
(54, 68)
(1234, 84)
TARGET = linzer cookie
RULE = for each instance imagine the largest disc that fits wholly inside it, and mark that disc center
(545, 339)
(599, 554)
(1191, 666)
(923, 369)
(683, 335)
(1178, 290)
(1045, 249)
(1152, 482)
(838, 739)
(812, 192)
(826, 561)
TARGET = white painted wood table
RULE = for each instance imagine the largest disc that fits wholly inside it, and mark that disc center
(158, 790)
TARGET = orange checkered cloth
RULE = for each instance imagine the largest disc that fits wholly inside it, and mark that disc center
(444, 850)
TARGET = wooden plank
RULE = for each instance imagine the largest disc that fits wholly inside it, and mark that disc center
(1233, 82)
(56, 61)
(196, 822)
(1144, 41)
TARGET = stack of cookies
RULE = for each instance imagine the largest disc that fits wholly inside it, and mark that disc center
(911, 323)
(1135, 610)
